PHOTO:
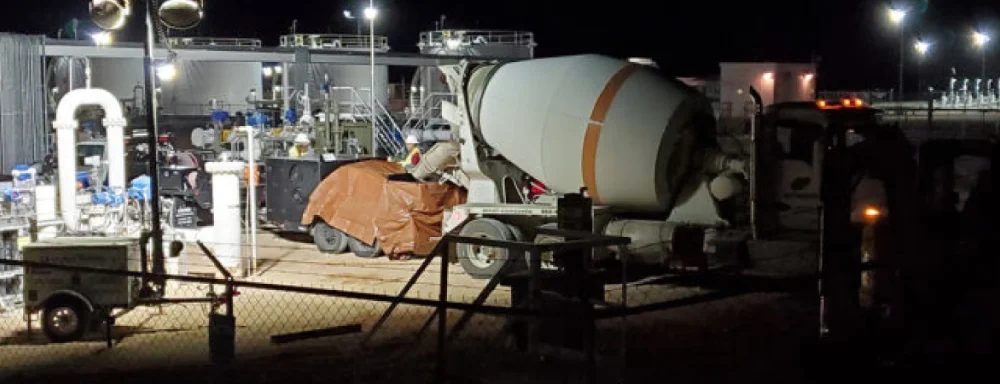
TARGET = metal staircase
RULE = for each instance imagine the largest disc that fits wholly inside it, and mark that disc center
(387, 133)
(427, 116)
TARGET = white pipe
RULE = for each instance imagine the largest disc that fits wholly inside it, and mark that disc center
(66, 125)
(86, 71)
(72, 62)
(227, 239)
(252, 195)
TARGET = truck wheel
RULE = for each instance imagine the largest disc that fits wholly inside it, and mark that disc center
(482, 262)
(329, 239)
(360, 249)
(64, 320)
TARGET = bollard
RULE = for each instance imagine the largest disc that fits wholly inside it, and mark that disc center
(228, 213)
(221, 338)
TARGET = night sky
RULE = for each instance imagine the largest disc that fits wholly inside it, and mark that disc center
(857, 46)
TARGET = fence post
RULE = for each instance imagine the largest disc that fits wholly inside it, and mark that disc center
(534, 292)
(442, 356)
(590, 335)
(624, 319)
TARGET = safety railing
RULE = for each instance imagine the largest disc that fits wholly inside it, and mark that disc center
(385, 130)
(335, 42)
(453, 39)
(215, 42)
(427, 112)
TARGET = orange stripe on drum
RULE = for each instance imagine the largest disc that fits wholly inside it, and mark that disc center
(593, 134)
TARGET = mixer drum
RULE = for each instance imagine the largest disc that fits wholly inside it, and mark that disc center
(623, 131)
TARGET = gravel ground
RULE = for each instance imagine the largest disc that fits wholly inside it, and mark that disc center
(754, 337)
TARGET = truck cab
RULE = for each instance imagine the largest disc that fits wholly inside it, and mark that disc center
(844, 182)
(792, 140)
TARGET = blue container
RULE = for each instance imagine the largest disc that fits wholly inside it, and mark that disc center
(257, 120)
(83, 178)
(220, 116)
(290, 116)
(108, 198)
(140, 188)
(11, 195)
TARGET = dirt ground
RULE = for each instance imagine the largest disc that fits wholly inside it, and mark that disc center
(756, 337)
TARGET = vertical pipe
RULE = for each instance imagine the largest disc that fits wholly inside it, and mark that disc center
(371, 95)
(152, 131)
(754, 160)
(902, 53)
(285, 92)
(72, 63)
(86, 72)
(252, 194)
(66, 158)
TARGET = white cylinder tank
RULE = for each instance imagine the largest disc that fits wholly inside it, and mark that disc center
(623, 131)
(191, 91)
(198, 83)
(118, 76)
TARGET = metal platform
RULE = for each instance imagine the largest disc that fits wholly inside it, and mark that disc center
(248, 53)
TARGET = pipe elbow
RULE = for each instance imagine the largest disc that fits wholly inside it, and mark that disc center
(89, 96)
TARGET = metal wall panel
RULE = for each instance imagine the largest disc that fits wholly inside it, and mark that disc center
(22, 101)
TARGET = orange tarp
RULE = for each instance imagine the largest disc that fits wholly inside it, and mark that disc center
(361, 201)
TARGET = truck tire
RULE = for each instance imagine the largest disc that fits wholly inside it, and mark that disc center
(484, 262)
(65, 319)
(360, 249)
(329, 239)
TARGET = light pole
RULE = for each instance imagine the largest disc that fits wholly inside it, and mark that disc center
(921, 47)
(177, 14)
(980, 39)
(370, 14)
(897, 16)
(350, 16)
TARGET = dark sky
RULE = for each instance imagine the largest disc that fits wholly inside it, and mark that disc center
(857, 46)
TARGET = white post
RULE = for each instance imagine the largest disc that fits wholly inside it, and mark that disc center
(371, 95)
(252, 196)
(226, 205)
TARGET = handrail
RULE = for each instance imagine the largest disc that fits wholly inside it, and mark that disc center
(441, 38)
(215, 42)
(335, 42)
(382, 123)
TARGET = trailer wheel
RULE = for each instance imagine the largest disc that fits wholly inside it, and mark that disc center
(64, 319)
(329, 239)
(360, 249)
(482, 262)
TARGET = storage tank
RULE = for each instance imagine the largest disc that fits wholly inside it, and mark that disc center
(497, 44)
(124, 78)
(197, 83)
(354, 76)
(623, 131)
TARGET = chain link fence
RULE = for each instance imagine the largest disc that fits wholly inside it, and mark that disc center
(307, 316)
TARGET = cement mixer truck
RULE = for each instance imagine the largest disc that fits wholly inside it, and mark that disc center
(642, 146)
